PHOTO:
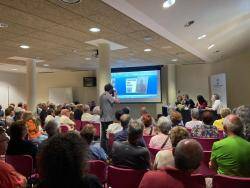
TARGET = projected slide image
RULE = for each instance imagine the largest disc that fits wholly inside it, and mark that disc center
(137, 86)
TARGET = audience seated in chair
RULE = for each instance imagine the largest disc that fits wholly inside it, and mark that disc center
(96, 114)
(78, 112)
(207, 130)
(128, 154)
(86, 116)
(65, 120)
(61, 163)
(176, 118)
(224, 112)
(95, 151)
(230, 156)
(195, 122)
(50, 116)
(35, 133)
(165, 158)
(123, 134)
(149, 129)
(116, 126)
(17, 144)
(244, 113)
(144, 111)
(187, 157)
(162, 139)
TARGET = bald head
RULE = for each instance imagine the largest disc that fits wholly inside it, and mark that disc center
(187, 155)
(125, 119)
(143, 110)
(233, 125)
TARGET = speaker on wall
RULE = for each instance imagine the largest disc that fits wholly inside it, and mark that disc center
(89, 81)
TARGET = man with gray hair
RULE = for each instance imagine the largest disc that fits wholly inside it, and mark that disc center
(231, 156)
(128, 154)
(187, 156)
(244, 113)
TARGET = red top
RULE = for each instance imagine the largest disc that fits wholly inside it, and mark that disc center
(171, 178)
(9, 177)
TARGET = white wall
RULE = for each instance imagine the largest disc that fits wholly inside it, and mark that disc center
(66, 79)
(193, 79)
(12, 88)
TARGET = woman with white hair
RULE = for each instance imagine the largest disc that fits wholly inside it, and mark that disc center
(96, 114)
(195, 114)
(162, 139)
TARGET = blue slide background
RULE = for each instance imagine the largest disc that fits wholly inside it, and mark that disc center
(119, 80)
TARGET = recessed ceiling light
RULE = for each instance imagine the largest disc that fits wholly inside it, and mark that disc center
(211, 46)
(147, 50)
(71, 1)
(87, 58)
(3, 25)
(201, 37)
(45, 65)
(14, 69)
(95, 29)
(174, 60)
(168, 3)
(23, 46)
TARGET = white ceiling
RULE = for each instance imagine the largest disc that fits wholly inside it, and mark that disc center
(225, 22)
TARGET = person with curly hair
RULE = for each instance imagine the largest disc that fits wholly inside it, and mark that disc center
(62, 163)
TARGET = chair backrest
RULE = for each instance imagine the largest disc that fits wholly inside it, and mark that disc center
(98, 128)
(63, 128)
(85, 123)
(221, 134)
(199, 180)
(206, 143)
(147, 139)
(222, 181)
(206, 157)
(22, 163)
(153, 152)
(111, 140)
(124, 178)
(99, 169)
(78, 125)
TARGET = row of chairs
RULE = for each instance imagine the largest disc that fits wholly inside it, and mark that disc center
(116, 177)
(123, 178)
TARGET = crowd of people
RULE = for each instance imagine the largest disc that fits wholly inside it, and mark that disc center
(60, 158)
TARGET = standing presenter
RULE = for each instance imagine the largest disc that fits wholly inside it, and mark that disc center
(107, 101)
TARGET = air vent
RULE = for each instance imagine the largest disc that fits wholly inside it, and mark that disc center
(189, 23)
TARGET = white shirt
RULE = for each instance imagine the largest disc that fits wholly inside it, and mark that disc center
(114, 128)
(96, 118)
(86, 117)
(66, 121)
(217, 105)
(192, 123)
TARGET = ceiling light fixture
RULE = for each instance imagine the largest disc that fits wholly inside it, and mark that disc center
(201, 37)
(168, 3)
(147, 38)
(71, 1)
(3, 25)
(45, 65)
(211, 46)
(147, 50)
(14, 69)
(23, 46)
(174, 60)
(95, 29)
(87, 58)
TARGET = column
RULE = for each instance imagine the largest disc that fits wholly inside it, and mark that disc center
(104, 70)
(31, 83)
(171, 84)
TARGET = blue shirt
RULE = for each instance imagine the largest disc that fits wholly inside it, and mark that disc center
(97, 153)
